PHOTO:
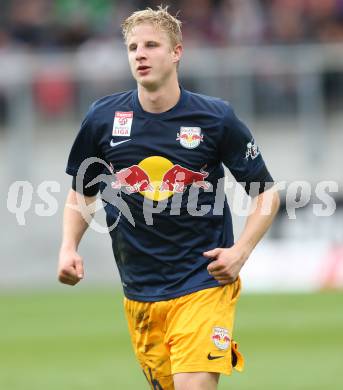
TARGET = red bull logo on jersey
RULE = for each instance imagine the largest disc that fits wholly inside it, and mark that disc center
(190, 137)
(157, 178)
(220, 338)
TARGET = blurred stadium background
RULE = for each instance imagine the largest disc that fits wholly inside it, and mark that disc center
(280, 63)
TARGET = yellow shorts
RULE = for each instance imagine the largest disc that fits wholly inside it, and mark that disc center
(192, 333)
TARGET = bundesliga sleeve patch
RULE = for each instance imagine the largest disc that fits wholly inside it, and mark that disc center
(252, 150)
(122, 124)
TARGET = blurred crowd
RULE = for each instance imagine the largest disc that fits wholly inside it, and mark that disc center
(67, 24)
(54, 26)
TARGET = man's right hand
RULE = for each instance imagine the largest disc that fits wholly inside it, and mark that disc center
(70, 267)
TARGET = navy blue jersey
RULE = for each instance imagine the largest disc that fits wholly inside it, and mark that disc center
(164, 201)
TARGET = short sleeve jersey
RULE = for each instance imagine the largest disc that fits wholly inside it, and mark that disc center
(166, 170)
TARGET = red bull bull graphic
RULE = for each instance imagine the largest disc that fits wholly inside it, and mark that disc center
(220, 337)
(178, 177)
(157, 178)
(133, 178)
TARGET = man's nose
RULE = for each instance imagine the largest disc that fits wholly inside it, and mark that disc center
(140, 52)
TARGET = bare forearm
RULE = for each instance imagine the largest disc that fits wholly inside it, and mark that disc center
(76, 219)
(259, 220)
(226, 263)
(77, 215)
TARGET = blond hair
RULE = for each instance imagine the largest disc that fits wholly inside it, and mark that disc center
(160, 18)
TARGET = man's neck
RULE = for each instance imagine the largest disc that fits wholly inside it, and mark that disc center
(160, 100)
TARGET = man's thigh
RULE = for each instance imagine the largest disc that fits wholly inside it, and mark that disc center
(200, 330)
(146, 322)
(196, 381)
(190, 334)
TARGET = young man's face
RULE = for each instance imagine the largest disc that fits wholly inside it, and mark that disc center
(152, 58)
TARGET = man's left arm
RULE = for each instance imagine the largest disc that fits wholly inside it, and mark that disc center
(227, 262)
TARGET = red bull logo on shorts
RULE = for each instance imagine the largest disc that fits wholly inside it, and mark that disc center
(220, 338)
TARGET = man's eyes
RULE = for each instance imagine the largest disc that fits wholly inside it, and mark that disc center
(148, 44)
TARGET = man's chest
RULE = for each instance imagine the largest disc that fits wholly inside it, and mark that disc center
(131, 141)
(159, 157)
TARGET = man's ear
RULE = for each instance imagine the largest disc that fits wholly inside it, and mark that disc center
(177, 52)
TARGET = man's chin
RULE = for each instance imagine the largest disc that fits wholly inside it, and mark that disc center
(147, 83)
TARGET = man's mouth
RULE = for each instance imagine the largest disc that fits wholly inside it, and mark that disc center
(143, 69)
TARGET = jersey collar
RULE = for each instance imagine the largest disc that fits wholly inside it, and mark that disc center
(163, 115)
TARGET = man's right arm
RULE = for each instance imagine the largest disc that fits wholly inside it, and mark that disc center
(77, 216)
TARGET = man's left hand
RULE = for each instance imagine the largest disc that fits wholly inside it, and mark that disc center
(226, 264)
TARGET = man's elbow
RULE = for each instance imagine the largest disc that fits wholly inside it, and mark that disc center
(269, 202)
(273, 199)
(276, 202)
(75, 195)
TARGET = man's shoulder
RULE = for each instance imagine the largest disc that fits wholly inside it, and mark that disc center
(213, 104)
(115, 101)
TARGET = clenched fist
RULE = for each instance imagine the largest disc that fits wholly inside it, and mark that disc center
(70, 267)
(226, 263)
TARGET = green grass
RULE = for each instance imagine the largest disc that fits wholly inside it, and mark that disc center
(75, 339)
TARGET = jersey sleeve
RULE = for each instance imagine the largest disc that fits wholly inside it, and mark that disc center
(86, 145)
(241, 155)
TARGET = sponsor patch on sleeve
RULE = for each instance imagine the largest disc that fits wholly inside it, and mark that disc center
(122, 124)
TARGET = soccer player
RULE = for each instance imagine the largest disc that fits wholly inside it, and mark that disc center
(163, 148)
